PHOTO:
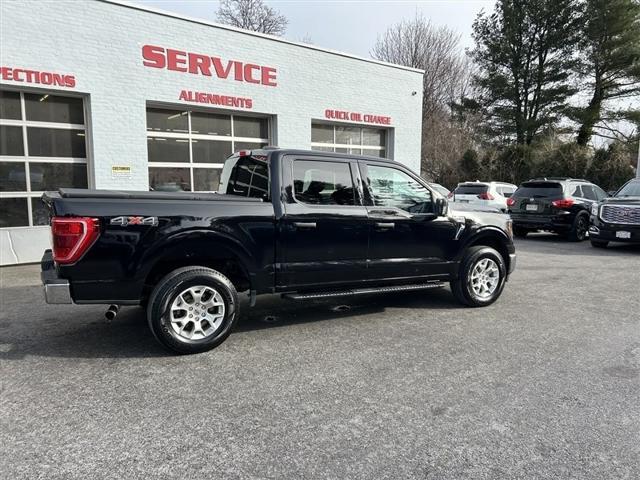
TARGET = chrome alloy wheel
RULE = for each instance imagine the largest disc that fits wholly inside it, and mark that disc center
(485, 278)
(197, 312)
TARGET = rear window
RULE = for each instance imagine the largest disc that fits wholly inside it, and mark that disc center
(470, 189)
(539, 190)
(245, 177)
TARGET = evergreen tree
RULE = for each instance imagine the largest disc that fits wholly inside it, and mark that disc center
(524, 51)
(610, 57)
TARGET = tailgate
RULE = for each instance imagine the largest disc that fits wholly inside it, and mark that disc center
(536, 198)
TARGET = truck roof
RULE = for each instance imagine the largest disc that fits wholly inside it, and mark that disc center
(316, 153)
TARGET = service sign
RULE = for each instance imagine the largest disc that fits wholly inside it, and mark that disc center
(206, 65)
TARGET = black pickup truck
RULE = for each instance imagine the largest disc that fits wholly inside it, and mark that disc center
(305, 224)
(617, 218)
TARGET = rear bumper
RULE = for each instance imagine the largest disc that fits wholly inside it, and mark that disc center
(543, 222)
(56, 290)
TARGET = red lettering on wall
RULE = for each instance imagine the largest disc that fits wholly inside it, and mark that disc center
(357, 117)
(24, 75)
(269, 76)
(215, 99)
(153, 56)
(176, 60)
(221, 72)
(198, 64)
(248, 73)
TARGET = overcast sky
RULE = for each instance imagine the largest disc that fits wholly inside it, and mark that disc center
(347, 25)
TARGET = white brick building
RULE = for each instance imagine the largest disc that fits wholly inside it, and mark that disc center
(107, 95)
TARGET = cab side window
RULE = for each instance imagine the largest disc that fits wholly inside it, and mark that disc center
(390, 187)
(323, 183)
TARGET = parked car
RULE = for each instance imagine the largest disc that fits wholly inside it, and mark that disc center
(444, 191)
(484, 194)
(560, 205)
(306, 224)
(617, 219)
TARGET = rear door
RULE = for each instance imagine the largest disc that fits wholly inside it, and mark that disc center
(407, 239)
(324, 230)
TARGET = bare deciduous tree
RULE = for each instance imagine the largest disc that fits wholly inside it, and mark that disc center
(252, 15)
(447, 82)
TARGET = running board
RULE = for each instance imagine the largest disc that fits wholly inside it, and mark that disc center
(362, 291)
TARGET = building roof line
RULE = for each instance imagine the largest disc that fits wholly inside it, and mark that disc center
(265, 36)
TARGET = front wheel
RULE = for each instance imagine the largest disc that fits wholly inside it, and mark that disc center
(481, 278)
(192, 309)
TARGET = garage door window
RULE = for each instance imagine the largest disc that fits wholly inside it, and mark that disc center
(186, 149)
(353, 140)
(42, 147)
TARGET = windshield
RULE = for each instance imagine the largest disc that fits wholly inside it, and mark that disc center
(539, 190)
(631, 189)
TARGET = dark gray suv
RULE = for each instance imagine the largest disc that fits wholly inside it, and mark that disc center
(556, 204)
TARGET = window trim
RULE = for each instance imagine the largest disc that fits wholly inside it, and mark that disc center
(355, 179)
(26, 159)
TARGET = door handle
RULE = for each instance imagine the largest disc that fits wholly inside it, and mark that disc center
(385, 225)
(305, 224)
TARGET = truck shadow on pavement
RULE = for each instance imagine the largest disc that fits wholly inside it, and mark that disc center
(82, 332)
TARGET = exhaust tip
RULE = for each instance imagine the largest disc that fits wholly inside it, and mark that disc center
(111, 312)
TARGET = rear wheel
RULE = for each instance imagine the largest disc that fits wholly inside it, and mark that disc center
(481, 278)
(520, 232)
(579, 229)
(192, 309)
(599, 243)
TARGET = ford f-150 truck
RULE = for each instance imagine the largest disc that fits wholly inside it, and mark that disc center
(305, 224)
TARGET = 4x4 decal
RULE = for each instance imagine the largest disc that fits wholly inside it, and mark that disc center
(126, 221)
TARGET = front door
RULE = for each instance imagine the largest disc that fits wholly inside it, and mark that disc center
(407, 238)
(324, 230)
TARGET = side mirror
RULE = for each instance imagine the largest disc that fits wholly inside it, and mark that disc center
(612, 193)
(441, 207)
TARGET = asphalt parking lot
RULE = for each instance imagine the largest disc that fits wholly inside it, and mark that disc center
(543, 384)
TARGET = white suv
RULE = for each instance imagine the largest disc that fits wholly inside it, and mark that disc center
(483, 194)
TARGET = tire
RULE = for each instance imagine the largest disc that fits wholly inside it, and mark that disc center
(520, 232)
(462, 287)
(192, 310)
(579, 229)
(599, 243)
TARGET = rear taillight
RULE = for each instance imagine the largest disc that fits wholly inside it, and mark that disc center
(450, 195)
(563, 203)
(510, 202)
(485, 196)
(72, 237)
